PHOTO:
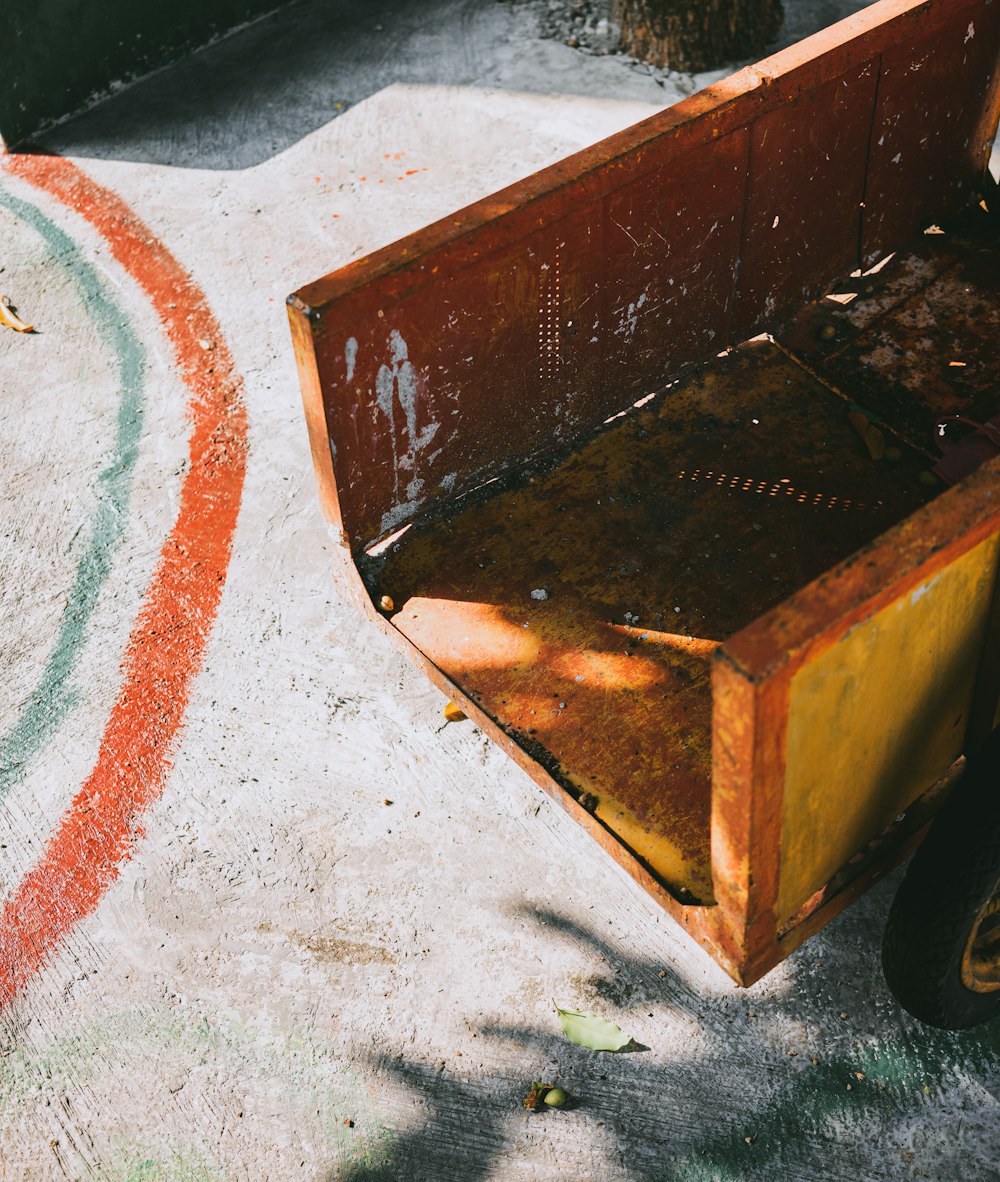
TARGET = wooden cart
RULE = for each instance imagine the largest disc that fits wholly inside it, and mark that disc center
(667, 529)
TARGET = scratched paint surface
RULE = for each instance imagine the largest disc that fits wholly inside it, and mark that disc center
(282, 951)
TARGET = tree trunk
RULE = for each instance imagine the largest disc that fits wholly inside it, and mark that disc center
(695, 35)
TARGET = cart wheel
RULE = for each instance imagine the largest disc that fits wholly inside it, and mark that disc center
(941, 953)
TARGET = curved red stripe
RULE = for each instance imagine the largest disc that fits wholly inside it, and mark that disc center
(167, 643)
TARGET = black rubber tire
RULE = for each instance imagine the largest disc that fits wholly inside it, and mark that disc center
(950, 878)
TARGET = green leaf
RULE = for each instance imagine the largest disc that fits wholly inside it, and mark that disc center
(588, 1030)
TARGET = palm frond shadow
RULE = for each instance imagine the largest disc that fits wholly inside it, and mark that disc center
(767, 1086)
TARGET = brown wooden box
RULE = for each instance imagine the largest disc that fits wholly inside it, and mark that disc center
(665, 574)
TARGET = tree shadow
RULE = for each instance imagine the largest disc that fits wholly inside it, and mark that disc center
(761, 1083)
(461, 1137)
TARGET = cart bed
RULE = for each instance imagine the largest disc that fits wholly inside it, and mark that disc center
(580, 607)
(648, 549)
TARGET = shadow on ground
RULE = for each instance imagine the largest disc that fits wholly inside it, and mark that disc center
(253, 95)
(815, 1082)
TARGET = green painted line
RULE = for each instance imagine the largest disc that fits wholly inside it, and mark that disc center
(55, 695)
(181, 1167)
(900, 1077)
(171, 1141)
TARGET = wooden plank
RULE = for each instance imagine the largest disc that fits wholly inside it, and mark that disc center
(878, 717)
(930, 140)
(804, 195)
(665, 277)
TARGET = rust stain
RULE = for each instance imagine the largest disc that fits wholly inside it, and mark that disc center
(893, 346)
(582, 607)
(338, 950)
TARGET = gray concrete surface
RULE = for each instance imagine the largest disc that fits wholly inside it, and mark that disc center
(291, 977)
(60, 56)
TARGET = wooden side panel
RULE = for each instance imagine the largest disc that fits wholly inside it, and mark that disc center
(749, 723)
(930, 141)
(878, 716)
(804, 196)
(666, 278)
(524, 322)
(434, 391)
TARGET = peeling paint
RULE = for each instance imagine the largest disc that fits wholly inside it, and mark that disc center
(921, 591)
(397, 382)
(630, 320)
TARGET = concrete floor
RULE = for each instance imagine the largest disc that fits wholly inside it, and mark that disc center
(312, 933)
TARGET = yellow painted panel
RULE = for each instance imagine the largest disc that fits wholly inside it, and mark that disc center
(877, 717)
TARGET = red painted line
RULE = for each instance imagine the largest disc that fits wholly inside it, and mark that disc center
(167, 644)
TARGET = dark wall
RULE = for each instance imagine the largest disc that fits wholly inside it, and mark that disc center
(57, 55)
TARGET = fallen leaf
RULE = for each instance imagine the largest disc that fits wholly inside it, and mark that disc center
(873, 438)
(534, 1097)
(9, 319)
(875, 442)
(453, 713)
(588, 1030)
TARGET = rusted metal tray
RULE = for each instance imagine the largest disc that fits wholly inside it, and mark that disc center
(596, 454)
